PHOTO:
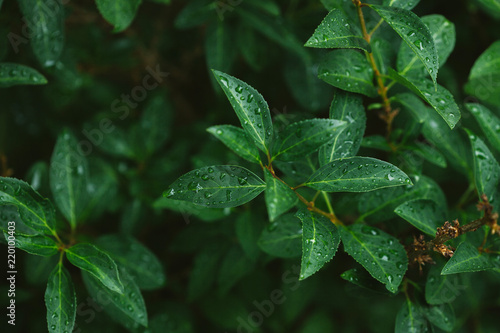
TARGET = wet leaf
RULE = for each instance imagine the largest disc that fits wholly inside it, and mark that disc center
(348, 70)
(466, 259)
(410, 318)
(423, 214)
(279, 197)
(217, 186)
(378, 252)
(118, 13)
(250, 107)
(488, 121)
(356, 174)
(320, 240)
(237, 140)
(60, 300)
(15, 74)
(442, 316)
(441, 289)
(282, 238)
(405, 4)
(347, 107)
(305, 137)
(98, 263)
(335, 32)
(34, 244)
(429, 153)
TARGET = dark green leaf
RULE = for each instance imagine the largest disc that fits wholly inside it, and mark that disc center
(36, 212)
(320, 240)
(60, 300)
(413, 104)
(15, 74)
(488, 121)
(279, 197)
(35, 244)
(466, 259)
(217, 186)
(378, 252)
(219, 47)
(379, 205)
(363, 279)
(486, 168)
(253, 48)
(441, 289)
(195, 13)
(119, 13)
(204, 271)
(305, 137)
(424, 215)
(140, 262)
(443, 34)
(383, 52)
(440, 99)
(356, 174)
(248, 230)
(237, 140)
(98, 263)
(68, 177)
(250, 107)
(348, 70)
(376, 142)
(45, 19)
(430, 154)
(405, 4)
(282, 238)
(116, 143)
(491, 7)
(414, 33)
(267, 6)
(443, 316)
(347, 107)
(127, 308)
(188, 208)
(484, 77)
(335, 32)
(233, 267)
(410, 318)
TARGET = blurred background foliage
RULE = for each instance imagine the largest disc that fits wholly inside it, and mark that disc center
(215, 271)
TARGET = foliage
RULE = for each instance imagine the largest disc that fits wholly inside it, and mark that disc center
(379, 184)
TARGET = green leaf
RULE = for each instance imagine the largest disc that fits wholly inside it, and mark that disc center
(348, 70)
(378, 252)
(250, 107)
(153, 128)
(217, 186)
(219, 46)
(45, 19)
(410, 318)
(126, 308)
(266, 6)
(413, 104)
(423, 214)
(429, 153)
(279, 197)
(376, 142)
(305, 137)
(282, 238)
(414, 33)
(34, 244)
(437, 96)
(320, 240)
(234, 266)
(486, 168)
(15, 74)
(253, 47)
(195, 13)
(491, 7)
(440, 289)
(301, 77)
(140, 262)
(383, 52)
(36, 212)
(335, 32)
(89, 258)
(188, 208)
(118, 13)
(488, 121)
(346, 107)
(237, 140)
(116, 143)
(363, 279)
(60, 300)
(356, 174)
(484, 77)
(443, 34)
(466, 259)
(68, 177)
(379, 205)
(405, 4)
(248, 229)
(442, 316)
(204, 270)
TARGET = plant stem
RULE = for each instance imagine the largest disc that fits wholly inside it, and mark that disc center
(327, 200)
(389, 115)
